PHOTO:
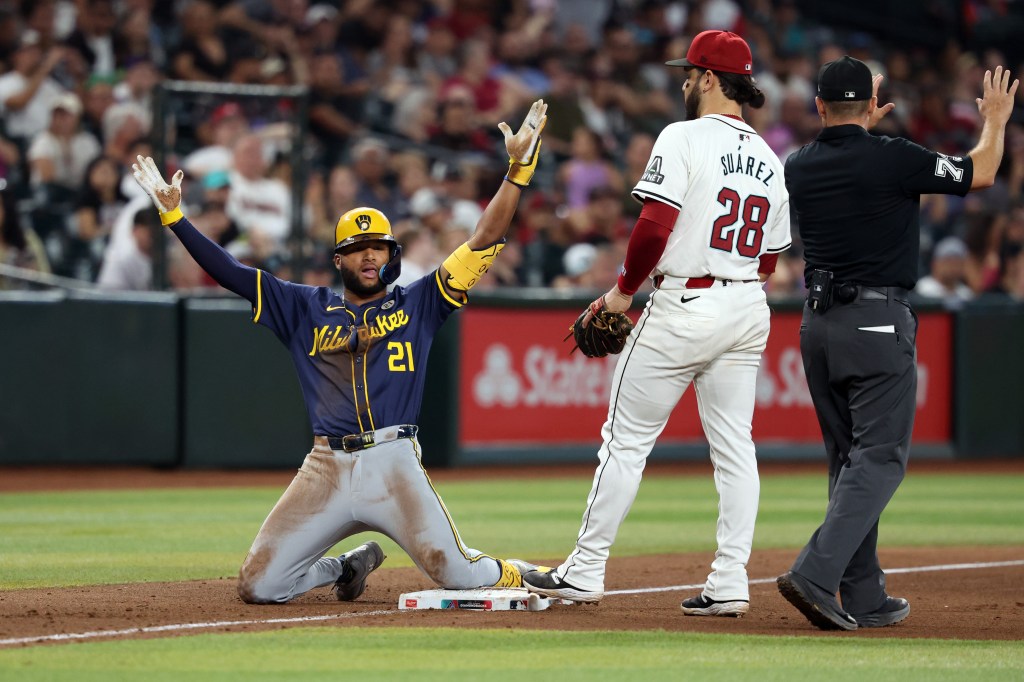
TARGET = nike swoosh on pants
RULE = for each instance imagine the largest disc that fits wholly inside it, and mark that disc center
(883, 329)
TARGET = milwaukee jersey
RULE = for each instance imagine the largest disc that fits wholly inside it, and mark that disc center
(360, 368)
(730, 190)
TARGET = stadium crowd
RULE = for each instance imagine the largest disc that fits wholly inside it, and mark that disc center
(404, 98)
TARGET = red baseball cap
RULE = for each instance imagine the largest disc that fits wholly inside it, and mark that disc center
(718, 51)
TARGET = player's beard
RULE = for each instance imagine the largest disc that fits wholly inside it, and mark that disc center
(350, 278)
(692, 102)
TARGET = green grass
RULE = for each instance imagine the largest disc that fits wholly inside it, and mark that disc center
(462, 653)
(74, 538)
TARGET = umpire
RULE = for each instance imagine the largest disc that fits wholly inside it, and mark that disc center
(856, 200)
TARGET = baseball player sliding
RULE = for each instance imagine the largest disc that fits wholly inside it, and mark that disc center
(361, 359)
(715, 217)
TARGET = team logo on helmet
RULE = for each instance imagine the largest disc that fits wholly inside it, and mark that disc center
(363, 222)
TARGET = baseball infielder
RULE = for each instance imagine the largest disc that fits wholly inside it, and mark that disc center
(714, 220)
(361, 359)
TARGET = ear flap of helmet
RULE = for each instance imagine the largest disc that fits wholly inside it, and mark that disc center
(390, 271)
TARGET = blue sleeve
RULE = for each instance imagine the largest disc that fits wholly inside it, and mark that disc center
(433, 302)
(218, 263)
(281, 306)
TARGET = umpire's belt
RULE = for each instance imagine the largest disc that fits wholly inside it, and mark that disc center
(367, 439)
(848, 293)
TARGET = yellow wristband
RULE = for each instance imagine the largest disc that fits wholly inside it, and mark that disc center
(521, 173)
(172, 216)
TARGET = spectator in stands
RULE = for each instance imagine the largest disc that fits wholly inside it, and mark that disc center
(100, 203)
(638, 154)
(601, 219)
(420, 255)
(545, 237)
(491, 101)
(946, 280)
(227, 125)
(392, 66)
(19, 245)
(413, 175)
(140, 78)
(127, 261)
(213, 219)
(371, 161)
(261, 207)
(27, 91)
(137, 39)
(202, 54)
(564, 111)
(435, 59)
(123, 124)
(60, 155)
(93, 37)
(594, 268)
(415, 115)
(99, 96)
(587, 169)
(1011, 273)
(458, 127)
(334, 114)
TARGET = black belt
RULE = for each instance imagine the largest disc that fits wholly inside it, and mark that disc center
(847, 293)
(367, 439)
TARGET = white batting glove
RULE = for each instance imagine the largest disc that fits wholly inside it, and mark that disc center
(524, 146)
(166, 197)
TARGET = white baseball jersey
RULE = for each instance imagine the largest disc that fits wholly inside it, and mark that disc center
(734, 208)
(730, 189)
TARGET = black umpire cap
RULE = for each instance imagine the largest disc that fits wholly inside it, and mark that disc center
(844, 80)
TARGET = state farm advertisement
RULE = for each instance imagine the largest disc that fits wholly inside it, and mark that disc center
(527, 389)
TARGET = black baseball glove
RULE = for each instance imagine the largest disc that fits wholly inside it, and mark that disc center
(605, 333)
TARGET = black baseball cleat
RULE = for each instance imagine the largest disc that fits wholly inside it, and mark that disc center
(359, 563)
(702, 606)
(550, 585)
(817, 605)
(891, 612)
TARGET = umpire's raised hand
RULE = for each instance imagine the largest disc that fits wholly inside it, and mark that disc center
(996, 102)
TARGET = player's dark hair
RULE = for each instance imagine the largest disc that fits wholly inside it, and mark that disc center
(844, 110)
(741, 88)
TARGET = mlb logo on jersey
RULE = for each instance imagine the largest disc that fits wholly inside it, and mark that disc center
(363, 222)
(744, 137)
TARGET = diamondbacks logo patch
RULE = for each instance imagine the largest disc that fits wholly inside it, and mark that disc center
(653, 172)
(363, 222)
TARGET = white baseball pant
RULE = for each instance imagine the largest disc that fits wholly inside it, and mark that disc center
(712, 338)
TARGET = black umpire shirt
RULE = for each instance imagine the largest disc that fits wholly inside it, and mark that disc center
(856, 198)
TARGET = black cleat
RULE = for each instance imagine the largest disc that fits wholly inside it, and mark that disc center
(359, 563)
(550, 585)
(817, 605)
(891, 612)
(702, 606)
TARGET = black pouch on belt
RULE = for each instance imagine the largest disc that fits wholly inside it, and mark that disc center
(819, 296)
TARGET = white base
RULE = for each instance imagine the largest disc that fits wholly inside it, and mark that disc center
(484, 599)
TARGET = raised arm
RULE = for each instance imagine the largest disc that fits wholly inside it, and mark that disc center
(222, 266)
(995, 106)
(469, 262)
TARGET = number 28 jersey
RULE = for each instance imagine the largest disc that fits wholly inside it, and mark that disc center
(730, 189)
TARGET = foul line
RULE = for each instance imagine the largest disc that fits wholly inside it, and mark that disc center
(178, 627)
(762, 581)
(188, 626)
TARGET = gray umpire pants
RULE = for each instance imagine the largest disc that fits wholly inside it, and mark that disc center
(861, 367)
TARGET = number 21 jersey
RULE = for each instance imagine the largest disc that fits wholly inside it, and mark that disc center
(731, 194)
